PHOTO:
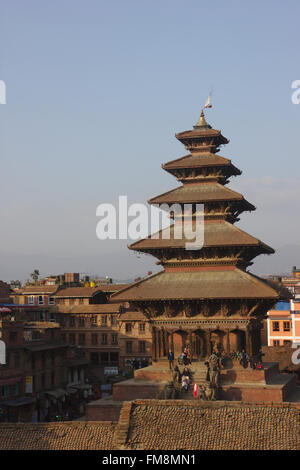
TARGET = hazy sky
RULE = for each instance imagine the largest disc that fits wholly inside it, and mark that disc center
(95, 93)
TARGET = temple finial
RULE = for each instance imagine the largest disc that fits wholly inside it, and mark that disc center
(202, 122)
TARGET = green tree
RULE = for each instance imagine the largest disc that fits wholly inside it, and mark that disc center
(35, 275)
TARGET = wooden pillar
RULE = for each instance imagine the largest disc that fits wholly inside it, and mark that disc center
(249, 345)
(154, 344)
(208, 342)
(172, 343)
(191, 344)
(159, 343)
(228, 341)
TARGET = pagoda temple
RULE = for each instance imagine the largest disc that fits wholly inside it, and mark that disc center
(204, 298)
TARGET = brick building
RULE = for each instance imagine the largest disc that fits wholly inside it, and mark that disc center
(108, 333)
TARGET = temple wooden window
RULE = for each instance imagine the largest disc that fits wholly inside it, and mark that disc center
(128, 327)
(114, 339)
(275, 325)
(129, 346)
(142, 346)
(81, 323)
(142, 328)
(104, 320)
(113, 320)
(94, 320)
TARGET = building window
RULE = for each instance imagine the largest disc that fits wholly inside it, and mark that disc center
(142, 328)
(80, 301)
(94, 320)
(113, 320)
(72, 338)
(114, 338)
(104, 358)
(286, 341)
(286, 326)
(51, 300)
(114, 357)
(5, 391)
(72, 322)
(52, 379)
(129, 346)
(142, 346)
(16, 389)
(128, 327)
(104, 320)
(13, 336)
(94, 358)
(17, 359)
(31, 299)
(104, 338)
(52, 317)
(94, 339)
(63, 337)
(81, 323)
(275, 325)
(276, 342)
(62, 321)
(41, 300)
(81, 339)
(43, 359)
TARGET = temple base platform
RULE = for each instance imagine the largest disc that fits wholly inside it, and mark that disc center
(235, 383)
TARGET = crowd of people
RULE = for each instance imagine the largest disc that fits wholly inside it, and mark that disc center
(216, 361)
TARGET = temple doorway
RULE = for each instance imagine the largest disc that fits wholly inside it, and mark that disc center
(179, 342)
(198, 345)
(217, 340)
(237, 340)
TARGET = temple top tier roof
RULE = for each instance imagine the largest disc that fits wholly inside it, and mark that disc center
(202, 138)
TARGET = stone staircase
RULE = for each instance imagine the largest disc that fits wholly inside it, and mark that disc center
(198, 375)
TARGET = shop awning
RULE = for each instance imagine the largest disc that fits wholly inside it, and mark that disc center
(57, 393)
(81, 386)
(18, 401)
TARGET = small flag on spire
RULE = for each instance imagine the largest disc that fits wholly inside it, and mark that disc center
(208, 102)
